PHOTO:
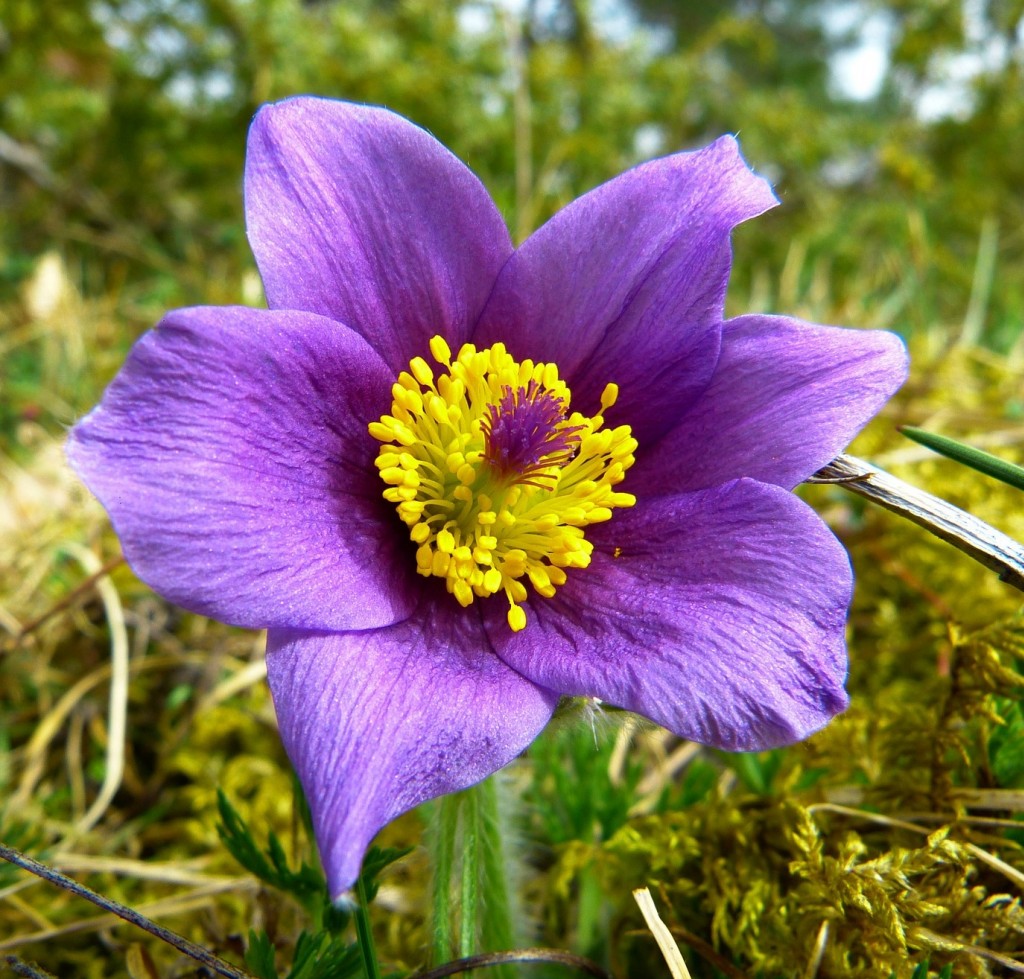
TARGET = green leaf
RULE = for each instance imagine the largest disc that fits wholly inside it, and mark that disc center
(324, 957)
(259, 956)
(307, 884)
(376, 859)
(983, 462)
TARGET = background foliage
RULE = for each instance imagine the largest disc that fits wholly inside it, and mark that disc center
(122, 130)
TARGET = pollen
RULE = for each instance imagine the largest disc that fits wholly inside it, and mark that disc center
(495, 478)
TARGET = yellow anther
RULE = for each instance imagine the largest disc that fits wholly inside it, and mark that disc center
(437, 408)
(516, 618)
(420, 533)
(609, 396)
(411, 511)
(440, 350)
(492, 581)
(421, 371)
(440, 564)
(516, 591)
(381, 432)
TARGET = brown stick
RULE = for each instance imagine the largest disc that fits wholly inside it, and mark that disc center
(965, 532)
(181, 943)
(71, 597)
(488, 959)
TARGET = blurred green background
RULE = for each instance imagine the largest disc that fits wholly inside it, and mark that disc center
(892, 131)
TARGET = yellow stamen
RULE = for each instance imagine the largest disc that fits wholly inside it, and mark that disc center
(494, 478)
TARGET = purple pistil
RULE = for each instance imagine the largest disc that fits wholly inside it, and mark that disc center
(525, 433)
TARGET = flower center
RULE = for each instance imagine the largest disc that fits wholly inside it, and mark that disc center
(493, 476)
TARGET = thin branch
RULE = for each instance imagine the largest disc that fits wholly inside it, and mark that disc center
(182, 944)
(965, 532)
(27, 970)
(71, 597)
(487, 959)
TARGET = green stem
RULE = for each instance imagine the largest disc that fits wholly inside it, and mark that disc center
(441, 842)
(364, 932)
(497, 930)
(469, 882)
(469, 861)
(589, 928)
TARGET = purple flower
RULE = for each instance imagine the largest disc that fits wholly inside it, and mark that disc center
(456, 480)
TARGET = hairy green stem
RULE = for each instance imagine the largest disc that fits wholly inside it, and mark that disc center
(441, 843)
(469, 863)
(497, 931)
(469, 879)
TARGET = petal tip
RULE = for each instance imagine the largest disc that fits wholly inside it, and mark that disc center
(894, 350)
(759, 189)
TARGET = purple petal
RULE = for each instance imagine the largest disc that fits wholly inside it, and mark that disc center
(355, 213)
(233, 456)
(785, 399)
(377, 722)
(722, 618)
(627, 284)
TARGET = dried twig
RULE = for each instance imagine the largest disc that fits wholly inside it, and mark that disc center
(71, 597)
(28, 970)
(488, 959)
(965, 532)
(181, 943)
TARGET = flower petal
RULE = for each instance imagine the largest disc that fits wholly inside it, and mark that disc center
(355, 213)
(785, 399)
(722, 618)
(377, 722)
(627, 284)
(233, 456)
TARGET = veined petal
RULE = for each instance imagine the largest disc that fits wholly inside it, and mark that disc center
(232, 455)
(627, 284)
(355, 213)
(721, 617)
(785, 399)
(377, 722)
